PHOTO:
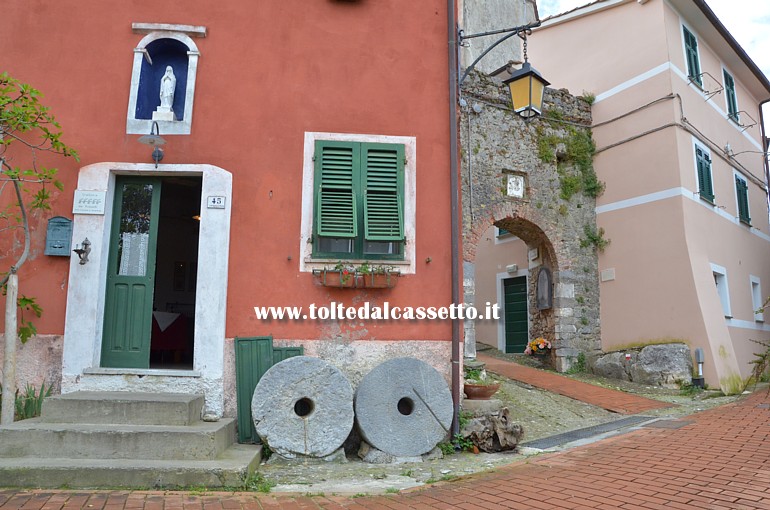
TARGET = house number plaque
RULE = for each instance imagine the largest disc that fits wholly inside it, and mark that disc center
(215, 202)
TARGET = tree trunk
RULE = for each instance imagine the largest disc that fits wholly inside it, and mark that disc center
(9, 365)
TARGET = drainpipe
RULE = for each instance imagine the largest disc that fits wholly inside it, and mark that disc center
(765, 148)
(454, 208)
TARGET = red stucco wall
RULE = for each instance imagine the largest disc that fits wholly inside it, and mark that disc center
(268, 72)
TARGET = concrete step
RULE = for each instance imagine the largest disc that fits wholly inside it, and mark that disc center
(123, 407)
(37, 438)
(228, 470)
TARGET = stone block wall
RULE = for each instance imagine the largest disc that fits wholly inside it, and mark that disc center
(556, 214)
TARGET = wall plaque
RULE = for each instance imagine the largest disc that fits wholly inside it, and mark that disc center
(89, 202)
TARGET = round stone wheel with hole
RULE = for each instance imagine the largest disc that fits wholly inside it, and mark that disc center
(303, 406)
(403, 407)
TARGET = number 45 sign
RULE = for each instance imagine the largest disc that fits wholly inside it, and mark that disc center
(215, 202)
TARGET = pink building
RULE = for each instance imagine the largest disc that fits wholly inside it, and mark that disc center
(680, 145)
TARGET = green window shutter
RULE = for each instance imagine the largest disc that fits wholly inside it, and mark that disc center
(253, 357)
(335, 181)
(691, 49)
(705, 186)
(383, 191)
(742, 192)
(732, 102)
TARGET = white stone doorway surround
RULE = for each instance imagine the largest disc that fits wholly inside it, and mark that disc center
(84, 321)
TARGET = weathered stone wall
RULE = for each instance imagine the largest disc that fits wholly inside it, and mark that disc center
(497, 143)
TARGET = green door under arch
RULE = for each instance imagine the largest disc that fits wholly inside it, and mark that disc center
(516, 320)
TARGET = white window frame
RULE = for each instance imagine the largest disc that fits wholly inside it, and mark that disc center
(166, 127)
(723, 289)
(756, 298)
(307, 263)
(504, 238)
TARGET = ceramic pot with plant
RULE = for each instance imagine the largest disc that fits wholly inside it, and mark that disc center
(478, 386)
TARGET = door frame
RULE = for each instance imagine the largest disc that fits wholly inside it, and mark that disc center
(499, 277)
(84, 320)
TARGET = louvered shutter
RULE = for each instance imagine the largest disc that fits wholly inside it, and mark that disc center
(335, 180)
(383, 191)
(705, 185)
(742, 191)
(691, 49)
(732, 102)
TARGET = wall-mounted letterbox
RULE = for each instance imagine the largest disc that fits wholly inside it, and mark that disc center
(58, 239)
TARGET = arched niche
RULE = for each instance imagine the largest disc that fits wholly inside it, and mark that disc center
(157, 50)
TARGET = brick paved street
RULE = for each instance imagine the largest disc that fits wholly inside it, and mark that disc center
(612, 400)
(719, 459)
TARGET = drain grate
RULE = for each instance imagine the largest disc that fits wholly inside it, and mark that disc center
(574, 435)
(668, 424)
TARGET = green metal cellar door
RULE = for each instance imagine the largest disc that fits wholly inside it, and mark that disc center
(253, 357)
(516, 324)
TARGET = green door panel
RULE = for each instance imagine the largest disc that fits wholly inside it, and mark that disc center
(131, 273)
(253, 357)
(516, 315)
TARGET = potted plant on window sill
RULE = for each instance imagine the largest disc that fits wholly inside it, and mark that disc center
(364, 276)
(477, 386)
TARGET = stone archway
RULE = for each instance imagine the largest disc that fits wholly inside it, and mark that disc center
(509, 182)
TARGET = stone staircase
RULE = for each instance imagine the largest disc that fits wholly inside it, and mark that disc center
(122, 439)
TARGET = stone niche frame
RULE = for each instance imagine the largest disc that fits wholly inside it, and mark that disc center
(156, 31)
(84, 319)
(498, 143)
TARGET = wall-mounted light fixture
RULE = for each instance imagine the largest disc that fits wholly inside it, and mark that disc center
(83, 251)
(155, 140)
(527, 86)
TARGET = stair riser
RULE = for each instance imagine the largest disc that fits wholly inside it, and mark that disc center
(92, 478)
(78, 444)
(56, 410)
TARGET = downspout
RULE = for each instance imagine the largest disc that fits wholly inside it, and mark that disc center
(454, 208)
(765, 148)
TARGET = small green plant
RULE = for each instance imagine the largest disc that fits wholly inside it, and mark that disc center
(256, 482)
(391, 490)
(446, 448)
(407, 472)
(688, 389)
(448, 477)
(580, 300)
(463, 418)
(266, 450)
(30, 403)
(594, 237)
(570, 184)
(579, 366)
(760, 372)
(464, 444)
(563, 210)
(588, 97)
(358, 495)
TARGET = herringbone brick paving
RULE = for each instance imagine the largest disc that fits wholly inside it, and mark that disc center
(612, 400)
(719, 461)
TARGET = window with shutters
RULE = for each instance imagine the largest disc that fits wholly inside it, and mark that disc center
(742, 199)
(730, 97)
(703, 166)
(358, 200)
(691, 54)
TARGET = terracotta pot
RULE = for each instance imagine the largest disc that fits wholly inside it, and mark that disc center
(378, 280)
(480, 391)
(334, 278)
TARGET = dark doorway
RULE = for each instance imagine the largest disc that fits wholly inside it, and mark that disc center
(173, 323)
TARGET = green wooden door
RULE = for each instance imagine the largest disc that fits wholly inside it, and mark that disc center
(253, 357)
(516, 324)
(131, 273)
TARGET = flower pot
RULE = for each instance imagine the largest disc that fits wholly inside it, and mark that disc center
(480, 391)
(377, 280)
(335, 278)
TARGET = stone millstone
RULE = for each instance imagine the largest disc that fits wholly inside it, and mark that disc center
(303, 406)
(403, 407)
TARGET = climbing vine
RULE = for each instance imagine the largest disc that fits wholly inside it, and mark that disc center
(574, 163)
